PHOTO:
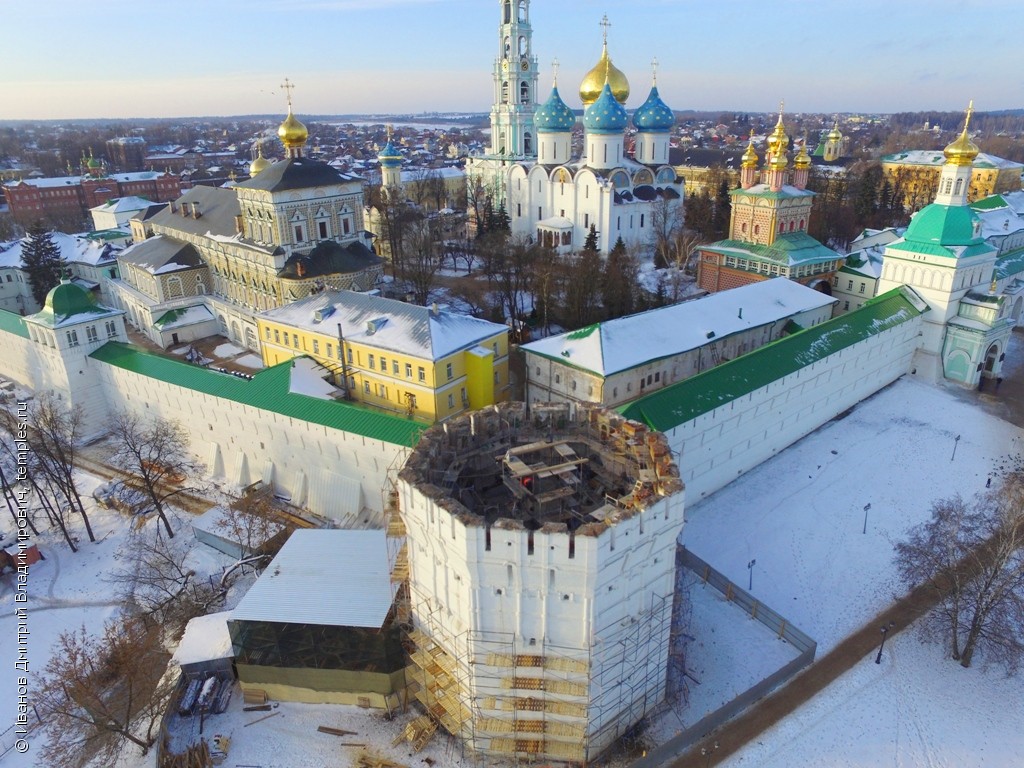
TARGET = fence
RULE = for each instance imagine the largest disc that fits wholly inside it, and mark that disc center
(662, 754)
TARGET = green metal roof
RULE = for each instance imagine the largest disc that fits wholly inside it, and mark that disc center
(944, 225)
(693, 397)
(989, 203)
(791, 249)
(12, 323)
(1010, 264)
(267, 390)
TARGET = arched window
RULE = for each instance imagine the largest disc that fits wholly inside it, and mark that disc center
(507, 16)
(801, 225)
(527, 142)
(959, 186)
(743, 227)
(524, 92)
(523, 49)
(522, 10)
(508, 47)
(792, 225)
(504, 93)
(757, 229)
(782, 227)
(175, 289)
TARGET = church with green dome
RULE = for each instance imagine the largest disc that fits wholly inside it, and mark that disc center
(944, 257)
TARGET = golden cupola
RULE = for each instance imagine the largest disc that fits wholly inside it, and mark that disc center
(962, 151)
(834, 134)
(750, 156)
(802, 159)
(260, 163)
(778, 141)
(604, 71)
(292, 133)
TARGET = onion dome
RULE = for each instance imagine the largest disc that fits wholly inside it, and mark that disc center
(389, 156)
(292, 133)
(654, 114)
(606, 115)
(67, 300)
(778, 160)
(260, 163)
(554, 116)
(778, 141)
(834, 134)
(604, 72)
(963, 151)
(750, 156)
(802, 159)
(92, 163)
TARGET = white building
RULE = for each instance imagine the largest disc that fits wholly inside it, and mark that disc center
(553, 194)
(616, 361)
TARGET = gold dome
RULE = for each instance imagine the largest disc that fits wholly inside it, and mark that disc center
(778, 141)
(260, 163)
(834, 134)
(292, 133)
(963, 151)
(802, 159)
(750, 156)
(594, 81)
(778, 161)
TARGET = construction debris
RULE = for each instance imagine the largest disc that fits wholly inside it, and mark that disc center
(261, 719)
(370, 760)
(336, 731)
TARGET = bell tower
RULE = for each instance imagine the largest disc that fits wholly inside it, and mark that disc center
(515, 84)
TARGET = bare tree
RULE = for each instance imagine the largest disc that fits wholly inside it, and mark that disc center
(425, 256)
(158, 583)
(968, 555)
(154, 453)
(54, 434)
(253, 520)
(99, 693)
(509, 263)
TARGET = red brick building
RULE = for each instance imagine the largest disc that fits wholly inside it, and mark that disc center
(67, 198)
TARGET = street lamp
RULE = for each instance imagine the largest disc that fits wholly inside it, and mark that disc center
(866, 508)
(706, 753)
(885, 632)
(750, 581)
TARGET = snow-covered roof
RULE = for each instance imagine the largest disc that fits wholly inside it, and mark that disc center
(206, 638)
(308, 379)
(337, 578)
(386, 323)
(619, 345)
(123, 204)
(936, 157)
(73, 249)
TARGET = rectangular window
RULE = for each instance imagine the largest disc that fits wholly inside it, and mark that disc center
(540, 211)
(422, 373)
(267, 334)
(90, 333)
(451, 401)
(408, 370)
(448, 370)
(298, 233)
(366, 387)
(330, 350)
(519, 213)
(111, 329)
(410, 398)
(346, 225)
(849, 285)
(862, 285)
(295, 340)
(72, 338)
(370, 361)
(641, 221)
(846, 305)
(323, 230)
(394, 367)
(316, 347)
(382, 391)
(349, 354)
(383, 365)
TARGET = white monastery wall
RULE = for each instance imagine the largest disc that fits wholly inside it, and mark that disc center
(718, 446)
(331, 472)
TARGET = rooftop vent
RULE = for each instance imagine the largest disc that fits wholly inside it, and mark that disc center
(322, 314)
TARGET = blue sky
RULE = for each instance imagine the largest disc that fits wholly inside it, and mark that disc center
(126, 58)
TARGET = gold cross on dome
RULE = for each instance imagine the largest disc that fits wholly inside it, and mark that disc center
(970, 111)
(287, 87)
(782, 108)
(554, 69)
(605, 24)
(654, 69)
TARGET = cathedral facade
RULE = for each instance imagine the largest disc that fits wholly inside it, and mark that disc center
(620, 185)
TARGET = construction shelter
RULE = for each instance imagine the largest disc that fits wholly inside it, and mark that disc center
(318, 626)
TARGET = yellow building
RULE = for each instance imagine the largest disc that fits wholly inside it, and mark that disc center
(914, 175)
(422, 362)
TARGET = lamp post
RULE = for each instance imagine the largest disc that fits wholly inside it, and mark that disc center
(706, 753)
(750, 580)
(885, 633)
(955, 441)
(866, 508)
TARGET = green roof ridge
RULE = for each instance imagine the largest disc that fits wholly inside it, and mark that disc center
(584, 332)
(268, 390)
(697, 395)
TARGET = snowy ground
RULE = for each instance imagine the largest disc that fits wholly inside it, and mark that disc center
(801, 517)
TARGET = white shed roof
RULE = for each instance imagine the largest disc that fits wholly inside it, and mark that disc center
(625, 343)
(336, 578)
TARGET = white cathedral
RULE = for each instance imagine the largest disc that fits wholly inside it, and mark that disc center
(549, 193)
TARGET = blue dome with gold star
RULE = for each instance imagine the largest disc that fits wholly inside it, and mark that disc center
(654, 114)
(389, 157)
(605, 115)
(554, 116)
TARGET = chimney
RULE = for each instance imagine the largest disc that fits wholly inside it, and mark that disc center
(741, 313)
(184, 210)
(195, 211)
(174, 207)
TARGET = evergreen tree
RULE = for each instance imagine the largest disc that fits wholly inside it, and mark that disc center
(590, 244)
(40, 258)
(700, 215)
(502, 222)
(618, 284)
(485, 220)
